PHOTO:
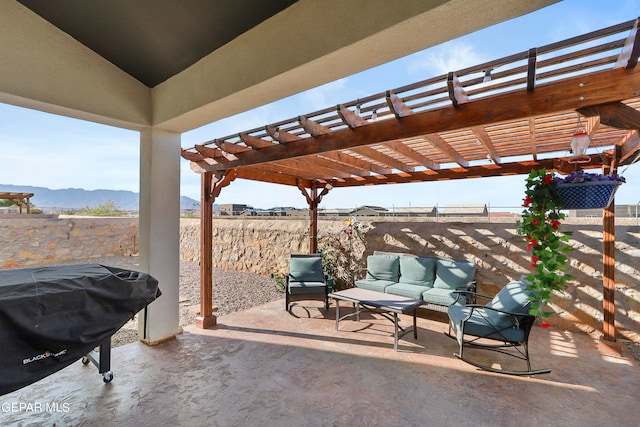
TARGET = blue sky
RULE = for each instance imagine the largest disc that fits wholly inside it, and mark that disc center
(45, 150)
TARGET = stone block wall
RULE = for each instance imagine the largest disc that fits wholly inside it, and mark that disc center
(29, 240)
(263, 246)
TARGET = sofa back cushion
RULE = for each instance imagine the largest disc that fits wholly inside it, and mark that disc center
(417, 271)
(306, 268)
(383, 267)
(453, 274)
(514, 298)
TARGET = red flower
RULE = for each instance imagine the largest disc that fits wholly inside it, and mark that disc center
(535, 259)
(529, 247)
(545, 325)
(555, 224)
(535, 222)
(527, 201)
(547, 179)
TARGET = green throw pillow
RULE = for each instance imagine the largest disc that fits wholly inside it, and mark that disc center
(417, 271)
(383, 267)
(452, 274)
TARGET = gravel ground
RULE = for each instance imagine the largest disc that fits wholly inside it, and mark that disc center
(232, 291)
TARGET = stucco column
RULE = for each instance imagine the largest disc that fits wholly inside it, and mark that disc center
(159, 228)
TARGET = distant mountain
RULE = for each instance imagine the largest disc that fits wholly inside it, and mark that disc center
(74, 198)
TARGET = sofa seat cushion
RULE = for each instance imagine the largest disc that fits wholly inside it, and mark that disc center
(406, 290)
(305, 288)
(383, 267)
(477, 324)
(453, 274)
(442, 296)
(417, 270)
(374, 285)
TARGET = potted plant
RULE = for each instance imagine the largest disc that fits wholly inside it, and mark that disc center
(582, 190)
(541, 226)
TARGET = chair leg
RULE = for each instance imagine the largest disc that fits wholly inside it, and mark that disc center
(526, 354)
(286, 301)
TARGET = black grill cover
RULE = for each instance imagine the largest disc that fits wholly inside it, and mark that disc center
(52, 316)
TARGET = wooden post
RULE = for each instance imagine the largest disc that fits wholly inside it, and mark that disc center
(206, 319)
(608, 270)
(608, 343)
(313, 221)
(313, 200)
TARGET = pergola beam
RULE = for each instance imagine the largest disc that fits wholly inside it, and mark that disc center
(630, 148)
(439, 142)
(399, 108)
(614, 114)
(350, 118)
(606, 86)
(485, 140)
(412, 154)
(628, 58)
(383, 158)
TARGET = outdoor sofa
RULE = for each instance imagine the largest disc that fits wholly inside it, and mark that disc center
(432, 279)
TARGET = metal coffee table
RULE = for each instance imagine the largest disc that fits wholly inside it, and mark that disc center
(380, 303)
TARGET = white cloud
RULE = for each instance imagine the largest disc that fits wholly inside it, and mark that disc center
(447, 57)
(324, 96)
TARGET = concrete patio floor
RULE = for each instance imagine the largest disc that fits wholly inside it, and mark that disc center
(268, 367)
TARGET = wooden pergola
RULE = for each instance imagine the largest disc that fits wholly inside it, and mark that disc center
(19, 199)
(503, 117)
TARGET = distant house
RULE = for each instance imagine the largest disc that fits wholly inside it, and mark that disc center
(278, 211)
(232, 209)
(428, 211)
(463, 210)
(621, 211)
(370, 211)
(295, 212)
(340, 212)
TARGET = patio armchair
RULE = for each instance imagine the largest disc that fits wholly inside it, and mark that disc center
(306, 280)
(502, 325)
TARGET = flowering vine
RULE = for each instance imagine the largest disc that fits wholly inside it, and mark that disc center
(541, 226)
(342, 252)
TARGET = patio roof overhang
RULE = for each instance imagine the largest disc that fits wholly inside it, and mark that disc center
(457, 125)
(503, 117)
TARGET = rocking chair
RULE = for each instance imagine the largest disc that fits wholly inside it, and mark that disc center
(505, 319)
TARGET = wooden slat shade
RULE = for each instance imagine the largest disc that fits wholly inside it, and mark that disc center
(456, 125)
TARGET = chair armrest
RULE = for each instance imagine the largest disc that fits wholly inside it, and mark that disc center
(357, 273)
(510, 313)
(469, 292)
(472, 286)
(473, 295)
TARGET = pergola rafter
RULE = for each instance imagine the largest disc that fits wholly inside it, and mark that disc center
(499, 118)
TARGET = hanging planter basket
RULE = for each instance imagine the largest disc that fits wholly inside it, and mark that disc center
(587, 195)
